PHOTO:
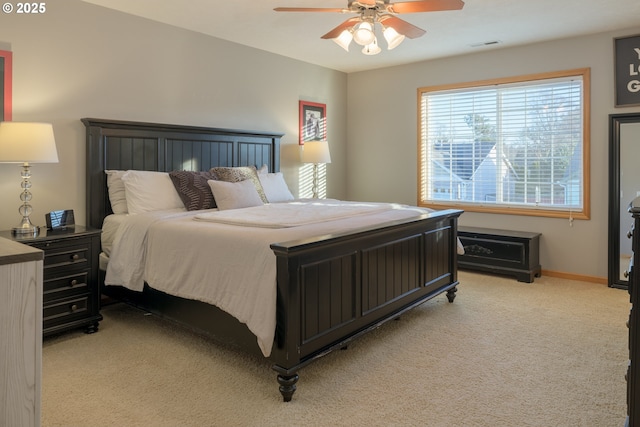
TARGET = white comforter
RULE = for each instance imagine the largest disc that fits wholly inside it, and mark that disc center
(229, 266)
(294, 214)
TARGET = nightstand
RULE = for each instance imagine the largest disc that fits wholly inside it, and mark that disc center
(71, 290)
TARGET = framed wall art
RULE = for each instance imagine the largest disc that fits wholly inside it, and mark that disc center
(627, 70)
(313, 121)
(5, 85)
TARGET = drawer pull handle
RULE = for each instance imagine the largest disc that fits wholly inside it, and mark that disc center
(75, 257)
(73, 282)
(73, 308)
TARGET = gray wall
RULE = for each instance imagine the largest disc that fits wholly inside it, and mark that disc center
(383, 126)
(81, 60)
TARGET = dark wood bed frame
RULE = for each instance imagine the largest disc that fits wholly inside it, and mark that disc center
(330, 289)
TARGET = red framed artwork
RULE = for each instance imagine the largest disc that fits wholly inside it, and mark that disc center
(313, 121)
(5, 85)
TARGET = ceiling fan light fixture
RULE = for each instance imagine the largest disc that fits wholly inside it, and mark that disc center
(392, 37)
(361, 28)
(372, 48)
(363, 34)
(344, 39)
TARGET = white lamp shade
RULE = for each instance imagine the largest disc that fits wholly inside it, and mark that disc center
(316, 152)
(25, 142)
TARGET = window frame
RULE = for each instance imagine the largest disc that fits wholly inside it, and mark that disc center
(584, 213)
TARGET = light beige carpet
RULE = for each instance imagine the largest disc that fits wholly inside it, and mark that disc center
(505, 353)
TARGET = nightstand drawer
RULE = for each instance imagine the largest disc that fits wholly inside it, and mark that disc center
(63, 311)
(66, 286)
(62, 257)
(71, 287)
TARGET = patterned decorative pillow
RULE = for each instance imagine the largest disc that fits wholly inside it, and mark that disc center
(241, 173)
(193, 189)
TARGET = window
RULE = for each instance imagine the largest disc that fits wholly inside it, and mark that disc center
(516, 145)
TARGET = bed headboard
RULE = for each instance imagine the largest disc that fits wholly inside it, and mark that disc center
(128, 145)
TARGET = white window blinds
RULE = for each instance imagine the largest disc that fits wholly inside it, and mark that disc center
(512, 145)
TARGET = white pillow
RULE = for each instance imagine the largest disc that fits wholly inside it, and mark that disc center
(275, 187)
(117, 195)
(149, 191)
(235, 195)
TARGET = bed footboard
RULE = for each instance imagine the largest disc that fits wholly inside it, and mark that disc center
(335, 288)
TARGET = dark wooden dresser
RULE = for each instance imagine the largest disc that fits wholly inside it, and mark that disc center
(633, 370)
(71, 289)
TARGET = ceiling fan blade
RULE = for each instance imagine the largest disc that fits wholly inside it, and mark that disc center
(310, 9)
(369, 2)
(402, 27)
(340, 28)
(424, 6)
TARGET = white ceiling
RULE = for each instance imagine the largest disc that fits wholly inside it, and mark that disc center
(297, 34)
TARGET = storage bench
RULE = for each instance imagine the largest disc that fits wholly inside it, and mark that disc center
(515, 253)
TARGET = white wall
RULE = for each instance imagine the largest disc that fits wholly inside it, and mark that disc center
(382, 135)
(80, 60)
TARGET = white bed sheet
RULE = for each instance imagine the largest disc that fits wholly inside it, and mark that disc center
(218, 263)
(110, 227)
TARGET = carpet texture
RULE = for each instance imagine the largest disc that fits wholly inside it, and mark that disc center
(505, 353)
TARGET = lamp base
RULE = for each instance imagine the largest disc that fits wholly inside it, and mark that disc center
(26, 229)
(314, 185)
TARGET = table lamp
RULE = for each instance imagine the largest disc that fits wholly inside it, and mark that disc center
(26, 143)
(316, 152)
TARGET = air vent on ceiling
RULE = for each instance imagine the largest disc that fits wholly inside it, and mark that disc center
(486, 43)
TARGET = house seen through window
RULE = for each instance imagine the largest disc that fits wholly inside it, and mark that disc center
(517, 145)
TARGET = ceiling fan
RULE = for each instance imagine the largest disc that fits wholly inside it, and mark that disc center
(361, 28)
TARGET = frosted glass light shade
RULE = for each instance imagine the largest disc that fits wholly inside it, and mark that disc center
(24, 142)
(344, 39)
(372, 48)
(392, 37)
(363, 35)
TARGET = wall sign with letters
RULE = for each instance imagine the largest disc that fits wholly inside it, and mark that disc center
(627, 64)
